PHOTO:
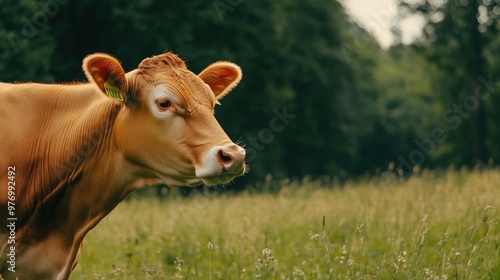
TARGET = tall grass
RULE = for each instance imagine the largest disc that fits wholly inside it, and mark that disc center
(436, 225)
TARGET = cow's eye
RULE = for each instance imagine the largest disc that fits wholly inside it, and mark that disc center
(163, 104)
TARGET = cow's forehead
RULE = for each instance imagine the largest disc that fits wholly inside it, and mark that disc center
(170, 71)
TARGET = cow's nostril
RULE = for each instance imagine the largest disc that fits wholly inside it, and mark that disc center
(225, 158)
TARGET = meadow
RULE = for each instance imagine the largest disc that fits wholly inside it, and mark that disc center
(434, 225)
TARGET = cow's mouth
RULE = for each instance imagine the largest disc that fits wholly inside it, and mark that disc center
(223, 177)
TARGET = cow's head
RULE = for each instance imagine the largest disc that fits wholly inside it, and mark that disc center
(167, 122)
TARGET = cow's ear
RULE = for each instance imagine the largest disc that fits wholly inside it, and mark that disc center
(222, 77)
(107, 73)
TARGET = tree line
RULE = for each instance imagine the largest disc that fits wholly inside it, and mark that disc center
(319, 96)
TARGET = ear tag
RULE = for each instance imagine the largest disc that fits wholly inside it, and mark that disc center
(217, 102)
(112, 91)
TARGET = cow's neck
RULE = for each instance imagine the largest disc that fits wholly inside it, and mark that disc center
(101, 188)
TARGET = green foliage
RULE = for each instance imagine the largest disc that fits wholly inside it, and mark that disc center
(459, 37)
(406, 106)
(22, 28)
(318, 97)
(434, 225)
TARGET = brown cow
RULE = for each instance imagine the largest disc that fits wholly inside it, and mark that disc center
(70, 153)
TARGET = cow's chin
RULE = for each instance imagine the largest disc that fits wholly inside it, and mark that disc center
(217, 176)
(218, 179)
(180, 182)
(208, 176)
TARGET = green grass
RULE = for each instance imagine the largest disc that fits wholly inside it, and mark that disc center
(436, 225)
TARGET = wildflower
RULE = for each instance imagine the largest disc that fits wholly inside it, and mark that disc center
(268, 254)
(316, 236)
(298, 272)
(210, 246)
(344, 250)
(178, 264)
(267, 260)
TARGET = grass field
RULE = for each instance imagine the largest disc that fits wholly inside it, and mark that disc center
(436, 225)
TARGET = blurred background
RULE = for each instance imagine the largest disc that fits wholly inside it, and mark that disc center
(332, 89)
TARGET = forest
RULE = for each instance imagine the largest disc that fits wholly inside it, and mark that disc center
(319, 96)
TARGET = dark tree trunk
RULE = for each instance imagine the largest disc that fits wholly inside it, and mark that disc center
(479, 150)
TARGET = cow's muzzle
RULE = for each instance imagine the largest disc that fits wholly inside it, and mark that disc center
(222, 164)
(232, 159)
